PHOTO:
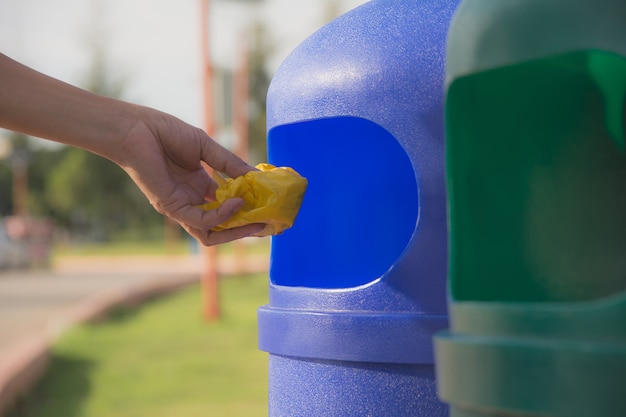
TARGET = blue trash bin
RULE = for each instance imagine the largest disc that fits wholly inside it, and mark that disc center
(358, 285)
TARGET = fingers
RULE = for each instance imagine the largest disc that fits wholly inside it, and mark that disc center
(201, 219)
(211, 189)
(210, 238)
(222, 160)
(198, 223)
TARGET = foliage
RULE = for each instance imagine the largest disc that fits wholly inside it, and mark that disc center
(84, 193)
(92, 198)
(87, 192)
(158, 247)
(259, 83)
(6, 187)
(161, 360)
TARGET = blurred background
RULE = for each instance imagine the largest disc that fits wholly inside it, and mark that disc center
(77, 236)
(148, 52)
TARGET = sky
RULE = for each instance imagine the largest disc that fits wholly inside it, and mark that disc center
(153, 44)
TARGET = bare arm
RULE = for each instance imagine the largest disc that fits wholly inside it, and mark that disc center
(162, 154)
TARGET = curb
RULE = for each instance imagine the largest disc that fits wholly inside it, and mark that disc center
(22, 366)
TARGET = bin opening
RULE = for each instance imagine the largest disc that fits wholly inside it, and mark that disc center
(361, 205)
(536, 175)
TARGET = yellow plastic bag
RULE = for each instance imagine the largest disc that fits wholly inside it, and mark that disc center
(271, 195)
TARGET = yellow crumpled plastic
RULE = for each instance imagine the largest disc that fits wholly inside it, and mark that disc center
(271, 195)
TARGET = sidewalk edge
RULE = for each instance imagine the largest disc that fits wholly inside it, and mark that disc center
(23, 366)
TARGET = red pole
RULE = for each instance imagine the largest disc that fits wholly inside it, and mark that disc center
(240, 121)
(20, 187)
(242, 85)
(209, 278)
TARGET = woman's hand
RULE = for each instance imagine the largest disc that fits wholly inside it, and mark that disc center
(165, 157)
(162, 154)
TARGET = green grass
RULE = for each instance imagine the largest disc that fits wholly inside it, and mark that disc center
(121, 248)
(154, 247)
(161, 360)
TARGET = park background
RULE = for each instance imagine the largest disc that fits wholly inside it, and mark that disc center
(159, 357)
(147, 52)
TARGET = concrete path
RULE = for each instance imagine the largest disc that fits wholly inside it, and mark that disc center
(37, 306)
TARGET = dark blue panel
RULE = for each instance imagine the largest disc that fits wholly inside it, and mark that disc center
(360, 208)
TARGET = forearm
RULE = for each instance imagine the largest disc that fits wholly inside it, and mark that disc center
(162, 154)
(38, 105)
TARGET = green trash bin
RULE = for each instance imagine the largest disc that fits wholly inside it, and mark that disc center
(536, 181)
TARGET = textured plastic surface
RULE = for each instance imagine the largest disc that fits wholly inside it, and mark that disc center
(335, 388)
(550, 359)
(536, 173)
(353, 306)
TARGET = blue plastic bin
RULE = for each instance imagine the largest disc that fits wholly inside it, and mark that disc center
(358, 285)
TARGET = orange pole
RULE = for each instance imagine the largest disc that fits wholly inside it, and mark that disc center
(209, 278)
(240, 120)
(242, 85)
(20, 188)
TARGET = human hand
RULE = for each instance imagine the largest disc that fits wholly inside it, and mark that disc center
(164, 156)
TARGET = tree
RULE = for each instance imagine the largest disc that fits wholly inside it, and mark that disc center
(6, 206)
(259, 83)
(86, 193)
(14, 174)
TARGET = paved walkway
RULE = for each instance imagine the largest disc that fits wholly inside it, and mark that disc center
(36, 306)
